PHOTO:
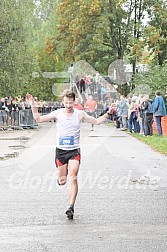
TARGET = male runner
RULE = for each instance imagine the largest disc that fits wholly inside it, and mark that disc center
(67, 140)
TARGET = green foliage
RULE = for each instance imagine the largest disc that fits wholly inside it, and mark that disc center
(101, 32)
(155, 33)
(46, 35)
(47, 60)
(24, 29)
(155, 78)
(16, 59)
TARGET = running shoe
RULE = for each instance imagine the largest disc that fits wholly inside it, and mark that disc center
(70, 213)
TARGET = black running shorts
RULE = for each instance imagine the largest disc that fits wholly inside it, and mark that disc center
(63, 156)
(91, 113)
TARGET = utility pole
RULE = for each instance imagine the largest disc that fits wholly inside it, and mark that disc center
(71, 79)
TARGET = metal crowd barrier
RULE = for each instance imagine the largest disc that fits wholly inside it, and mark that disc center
(22, 119)
(17, 119)
(8, 119)
(26, 119)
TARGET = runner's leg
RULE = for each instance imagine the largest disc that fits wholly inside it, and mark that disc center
(73, 171)
(62, 174)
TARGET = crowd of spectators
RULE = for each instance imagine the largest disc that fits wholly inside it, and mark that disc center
(94, 85)
(133, 114)
(16, 111)
(137, 113)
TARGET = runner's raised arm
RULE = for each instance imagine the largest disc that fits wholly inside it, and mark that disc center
(34, 106)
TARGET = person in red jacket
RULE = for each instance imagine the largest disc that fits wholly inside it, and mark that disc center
(90, 107)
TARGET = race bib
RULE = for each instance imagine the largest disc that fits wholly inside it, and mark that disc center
(66, 140)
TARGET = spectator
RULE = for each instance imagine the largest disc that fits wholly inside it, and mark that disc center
(103, 92)
(141, 115)
(99, 86)
(123, 111)
(92, 87)
(82, 85)
(77, 79)
(148, 116)
(15, 111)
(100, 109)
(132, 115)
(166, 94)
(3, 108)
(159, 110)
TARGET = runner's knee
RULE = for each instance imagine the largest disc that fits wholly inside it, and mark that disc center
(73, 177)
(62, 181)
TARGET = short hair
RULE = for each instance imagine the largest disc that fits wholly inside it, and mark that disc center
(157, 92)
(68, 93)
(133, 99)
(146, 96)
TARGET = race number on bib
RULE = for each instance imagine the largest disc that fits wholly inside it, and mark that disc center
(66, 140)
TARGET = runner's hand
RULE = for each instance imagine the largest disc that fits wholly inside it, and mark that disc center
(110, 110)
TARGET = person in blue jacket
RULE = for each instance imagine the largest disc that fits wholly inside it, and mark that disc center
(159, 110)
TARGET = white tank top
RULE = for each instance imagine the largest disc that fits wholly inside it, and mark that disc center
(67, 131)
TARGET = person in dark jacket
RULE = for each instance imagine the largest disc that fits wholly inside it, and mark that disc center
(82, 85)
(148, 116)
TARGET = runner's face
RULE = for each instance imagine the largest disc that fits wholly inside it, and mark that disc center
(68, 104)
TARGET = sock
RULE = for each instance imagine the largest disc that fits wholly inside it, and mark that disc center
(72, 206)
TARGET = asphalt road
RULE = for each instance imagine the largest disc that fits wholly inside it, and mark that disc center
(121, 205)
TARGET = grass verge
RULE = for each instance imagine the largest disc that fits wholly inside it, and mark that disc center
(157, 143)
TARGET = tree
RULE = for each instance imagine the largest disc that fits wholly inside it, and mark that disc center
(48, 60)
(16, 61)
(155, 33)
(155, 78)
(100, 31)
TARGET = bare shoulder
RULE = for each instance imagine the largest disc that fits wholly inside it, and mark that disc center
(55, 113)
(52, 115)
(84, 116)
(81, 114)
